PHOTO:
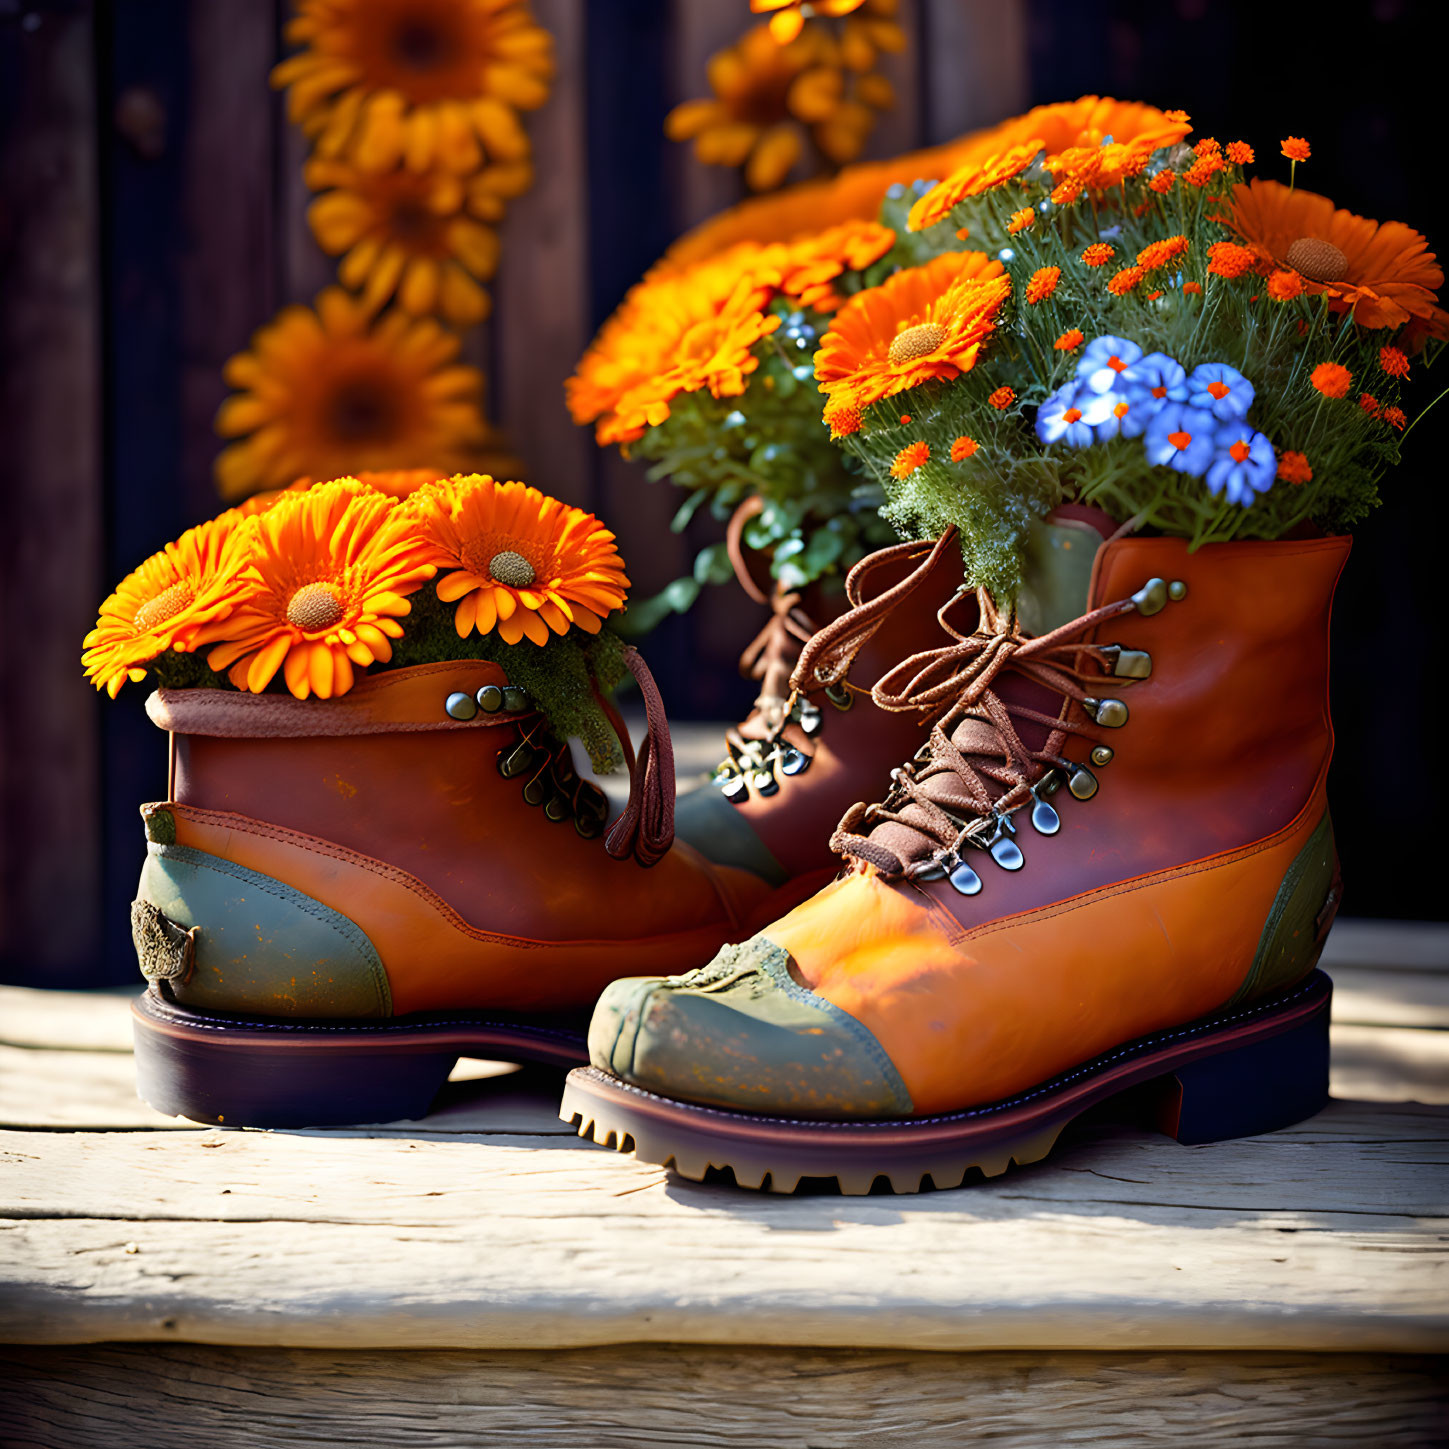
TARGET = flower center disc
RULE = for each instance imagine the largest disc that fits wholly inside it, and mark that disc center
(916, 342)
(512, 569)
(166, 605)
(314, 607)
(1316, 259)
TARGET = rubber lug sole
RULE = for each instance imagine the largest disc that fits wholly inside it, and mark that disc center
(241, 1071)
(1255, 1069)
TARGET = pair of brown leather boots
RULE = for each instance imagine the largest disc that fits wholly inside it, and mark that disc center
(1099, 857)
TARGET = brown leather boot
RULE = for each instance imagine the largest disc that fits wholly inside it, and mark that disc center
(342, 896)
(810, 748)
(1109, 866)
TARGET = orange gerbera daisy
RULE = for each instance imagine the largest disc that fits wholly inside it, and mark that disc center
(422, 236)
(417, 82)
(167, 602)
(972, 179)
(814, 262)
(912, 456)
(327, 391)
(922, 324)
(1383, 274)
(676, 331)
(1095, 143)
(519, 560)
(329, 571)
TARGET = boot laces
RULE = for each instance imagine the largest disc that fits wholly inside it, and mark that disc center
(646, 828)
(962, 792)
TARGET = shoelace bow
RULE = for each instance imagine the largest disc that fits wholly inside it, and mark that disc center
(997, 773)
(646, 828)
(770, 656)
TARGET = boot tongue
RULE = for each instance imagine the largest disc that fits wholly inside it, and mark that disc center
(1060, 552)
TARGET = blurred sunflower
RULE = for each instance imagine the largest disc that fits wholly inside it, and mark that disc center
(167, 602)
(409, 234)
(518, 560)
(321, 393)
(676, 331)
(1383, 274)
(766, 94)
(921, 324)
(329, 571)
(422, 83)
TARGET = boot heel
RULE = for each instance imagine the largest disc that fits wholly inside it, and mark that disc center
(1267, 1083)
(237, 1080)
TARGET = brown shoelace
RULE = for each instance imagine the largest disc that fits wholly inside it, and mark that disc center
(975, 769)
(646, 828)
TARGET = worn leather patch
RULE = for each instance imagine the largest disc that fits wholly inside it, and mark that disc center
(166, 951)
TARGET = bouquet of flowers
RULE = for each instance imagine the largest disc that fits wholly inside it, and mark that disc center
(305, 589)
(1100, 312)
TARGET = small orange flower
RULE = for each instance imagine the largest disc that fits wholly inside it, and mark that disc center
(1394, 361)
(1123, 282)
(1208, 146)
(1043, 283)
(1332, 379)
(963, 233)
(1070, 340)
(1067, 192)
(911, 457)
(169, 602)
(1293, 468)
(328, 578)
(1369, 403)
(842, 421)
(1020, 220)
(1295, 148)
(1162, 182)
(905, 418)
(1394, 417)
(519, 560)
(1192, 289)
(1002, 398)
(1204, 169)
(1229, 260)
(1153, 296)
(1241, 154)
(1285, 285)
(962, 448)
(1160, 253)
(1098, 254)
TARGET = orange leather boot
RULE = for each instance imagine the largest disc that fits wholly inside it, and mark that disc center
(1110, 865)
(342, 896)
(808, 752)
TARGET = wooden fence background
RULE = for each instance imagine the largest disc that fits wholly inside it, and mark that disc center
(152, 215)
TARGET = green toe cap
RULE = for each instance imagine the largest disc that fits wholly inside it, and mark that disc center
(741, 1033)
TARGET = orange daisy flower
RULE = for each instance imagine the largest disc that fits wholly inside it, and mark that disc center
(814, 262)
(168, 602)
(922, 324)
(1075, 135)
(1332, 379)
(1284, 286)
(1098, 255)
(962, 448)
(972, 179)
(1020, 220)
(676, 331)
(1295, 148)
(1043, 283)
(1383, 274)
(1069, 341)
(519, 560)
(1394, 361)
(1293, 468)
(1158, 254)
(328, 575)
(1002, 398)
(911, 457)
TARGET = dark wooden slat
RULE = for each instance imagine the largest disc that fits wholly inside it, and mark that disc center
(974, 68)
(50, 496)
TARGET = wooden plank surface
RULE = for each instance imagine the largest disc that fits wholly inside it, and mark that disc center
(176, 1397)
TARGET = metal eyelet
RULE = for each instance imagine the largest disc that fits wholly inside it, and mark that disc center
(1109, 713)
(1128, 663)
(1044, 818)
(515, 700)
(736, 789)
(1102, 754)
(460, 706)
(1081, 782)
(840, 695)
(512, 763)
(490, 699)
(794, 762)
